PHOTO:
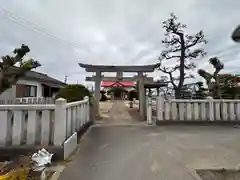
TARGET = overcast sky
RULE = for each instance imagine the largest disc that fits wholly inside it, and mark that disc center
(114, 32)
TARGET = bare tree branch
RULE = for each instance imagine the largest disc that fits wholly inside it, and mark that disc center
(171, 41)
(190, 66)
(193, 40)
(186, 76)
(195, 54)
(164, 70)
(165, 55)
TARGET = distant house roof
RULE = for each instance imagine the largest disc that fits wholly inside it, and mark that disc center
(43, 78)
(117, 84)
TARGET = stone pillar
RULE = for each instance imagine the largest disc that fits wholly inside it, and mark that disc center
(119, 74)
(141, 93)
(60, 122)
(97, 90)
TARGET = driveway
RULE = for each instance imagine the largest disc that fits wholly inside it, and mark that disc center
(153, 153)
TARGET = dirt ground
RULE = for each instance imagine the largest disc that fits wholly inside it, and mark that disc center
(118, 112)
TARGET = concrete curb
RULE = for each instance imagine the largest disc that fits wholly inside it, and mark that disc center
(197, 123)
(58, 169)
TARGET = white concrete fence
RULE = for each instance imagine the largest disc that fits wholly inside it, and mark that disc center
(28, 100)
(43, 124)
(193, 110)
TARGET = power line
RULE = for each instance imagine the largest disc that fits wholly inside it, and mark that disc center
(22, 22)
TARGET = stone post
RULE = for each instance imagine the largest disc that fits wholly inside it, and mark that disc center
(60, 124)
(149, 110)
(211, 108)
(160, 108)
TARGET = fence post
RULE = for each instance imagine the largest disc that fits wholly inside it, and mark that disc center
(211, 109)
(224, 110)
(4, 136)
(149, 110)
(60, 123)
(86, 98)
(159, 108)
(238, 110)
(92, 111)
(189, 110)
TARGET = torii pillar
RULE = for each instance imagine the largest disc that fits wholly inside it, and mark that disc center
(97, 90)
(141, 94)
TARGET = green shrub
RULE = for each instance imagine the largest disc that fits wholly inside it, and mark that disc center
(132, 94)
(73, 92)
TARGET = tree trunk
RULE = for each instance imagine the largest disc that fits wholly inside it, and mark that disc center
(177, 93)
(181, 69)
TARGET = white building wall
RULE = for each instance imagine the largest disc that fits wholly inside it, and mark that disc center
(10, 94)
(126, 88)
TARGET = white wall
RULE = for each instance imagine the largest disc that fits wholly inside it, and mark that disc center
(32, 83)
(10, 94)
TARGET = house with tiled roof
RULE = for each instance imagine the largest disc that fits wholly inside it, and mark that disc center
(33, 84)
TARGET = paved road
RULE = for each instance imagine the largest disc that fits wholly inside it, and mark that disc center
(124, 153)
(141, 152)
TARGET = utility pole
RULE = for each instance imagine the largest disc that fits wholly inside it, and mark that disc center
(65, 79)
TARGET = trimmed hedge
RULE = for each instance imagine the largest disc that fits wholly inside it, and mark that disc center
(73, 92)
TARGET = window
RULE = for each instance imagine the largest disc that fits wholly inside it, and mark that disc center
(30, 91)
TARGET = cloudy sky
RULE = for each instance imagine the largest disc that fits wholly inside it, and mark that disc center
(62, 33)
